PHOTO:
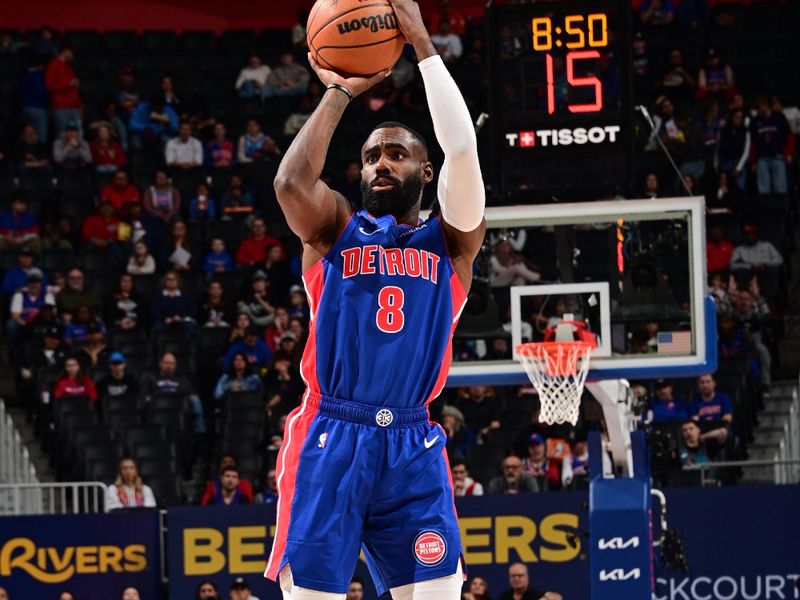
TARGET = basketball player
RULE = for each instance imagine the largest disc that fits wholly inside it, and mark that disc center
(361, 464)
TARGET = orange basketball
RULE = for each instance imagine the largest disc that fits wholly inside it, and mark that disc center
(354, 37)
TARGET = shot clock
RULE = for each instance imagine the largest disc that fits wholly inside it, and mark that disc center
(560, 98)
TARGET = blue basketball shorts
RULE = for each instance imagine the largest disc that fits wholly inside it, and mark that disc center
(352, 475)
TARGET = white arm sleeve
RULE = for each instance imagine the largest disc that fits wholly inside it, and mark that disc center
(461, 192)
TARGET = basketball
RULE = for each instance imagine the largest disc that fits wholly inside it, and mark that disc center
(354, 37)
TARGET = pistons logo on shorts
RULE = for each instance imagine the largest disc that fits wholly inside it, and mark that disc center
(430, 548)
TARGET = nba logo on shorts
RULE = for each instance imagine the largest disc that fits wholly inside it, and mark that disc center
(429, 548)
(323, 439)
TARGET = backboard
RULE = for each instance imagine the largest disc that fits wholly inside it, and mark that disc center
(633, 270)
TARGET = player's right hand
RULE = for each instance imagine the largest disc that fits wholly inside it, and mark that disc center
(356, 85)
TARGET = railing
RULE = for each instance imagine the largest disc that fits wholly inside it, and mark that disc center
(15, 463)
(52, 498)
(778, 471)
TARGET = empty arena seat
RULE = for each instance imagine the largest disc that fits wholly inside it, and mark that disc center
(156, 451)
(143, 433)
(198, 42)
(58, 259)
(150, 468)
(167, 489)
(159, 42)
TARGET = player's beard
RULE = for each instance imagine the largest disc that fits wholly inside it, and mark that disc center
(397, 201)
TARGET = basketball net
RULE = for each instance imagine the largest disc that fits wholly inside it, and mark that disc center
(558, 368)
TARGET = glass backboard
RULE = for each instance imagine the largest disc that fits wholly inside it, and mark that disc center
(633, 270)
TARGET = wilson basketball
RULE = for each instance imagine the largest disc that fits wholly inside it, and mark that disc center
(354, 37)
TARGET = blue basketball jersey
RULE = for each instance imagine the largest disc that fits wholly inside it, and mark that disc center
(384, 303)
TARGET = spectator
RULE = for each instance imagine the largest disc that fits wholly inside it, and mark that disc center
(76, 294)
(455, 426)
(46, 43)
(444, 10)
(131, 593)
(718, 251)
(140, 227)
(642, 66)
(167, 93)
(240, 327)
(447, 43)
(167, 382)
(733, 149)
(276, 267)
(753, 312)
(172, 307)
(202, 207)
(295, 121)
(270, 493)
(207, 590)
(253, 347)
(19, 227)
(214, 486)
(278, 327)
(477, 589)
(356, 589)
(127, 95)
(126, 309)
(664, 408)
(240, 590)
(220, 152)
(519, 581)
(62, 84)
(52, 353)
(236, 200)
(94, 351)
(101, 230)
(792, 113)
(216, 310)
(80, 325)
(120, 192)
(129, 491)
(253, 249)
(693, 449)
(772, 148)
(74, 382)
(729, 198)
(152, 124)
(712, 409)
(756, 258)
(299, 33)
(254, 144)
(184, 152)
(287, 79)
(508, 267)
(480, 409)
(227, 491)
(283, 387)
(256, 303)
(161, 200)
(715, 80)
(107, 153)
(463, 484)
(252, 81)
(298, 303)
(32, 153)
(108, 117)
(349, 185)
(657, 13)
(26, 304)
(70, 150)
(510, 45)
(33, 97)
(536, 464)
(177, 252)
(239, 378)
(118, 383)
(16, 278)
(513, 480)
(66, 596)
(218, 260)
(677, 83)
(141, 261)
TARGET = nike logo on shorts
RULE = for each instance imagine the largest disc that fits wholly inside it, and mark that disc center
(429, 443)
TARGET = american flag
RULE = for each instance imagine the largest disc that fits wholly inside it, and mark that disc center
(674, 342)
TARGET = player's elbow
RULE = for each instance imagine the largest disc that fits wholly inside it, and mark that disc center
(284, 186)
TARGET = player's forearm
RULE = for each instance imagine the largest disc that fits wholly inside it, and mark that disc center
(449, 113)
(304, 161)
(420, 39)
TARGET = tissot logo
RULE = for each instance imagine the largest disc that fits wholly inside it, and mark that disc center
(617, 543)
(619, 575)
(563, 137)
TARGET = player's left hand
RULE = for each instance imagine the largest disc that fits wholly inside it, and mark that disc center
(409, 17)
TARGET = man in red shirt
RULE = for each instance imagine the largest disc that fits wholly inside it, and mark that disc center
(718, 251)
(253, 249)
(120, 192)
(102, 228)
(62, 85)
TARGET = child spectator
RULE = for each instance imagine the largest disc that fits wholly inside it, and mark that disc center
(236, 200)
(218, 260)
(18, 226)
(202, 207)
(173, 307)
(220, 152)
(693, 449)
(216, 310)
(141, 261)
(107, 153)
